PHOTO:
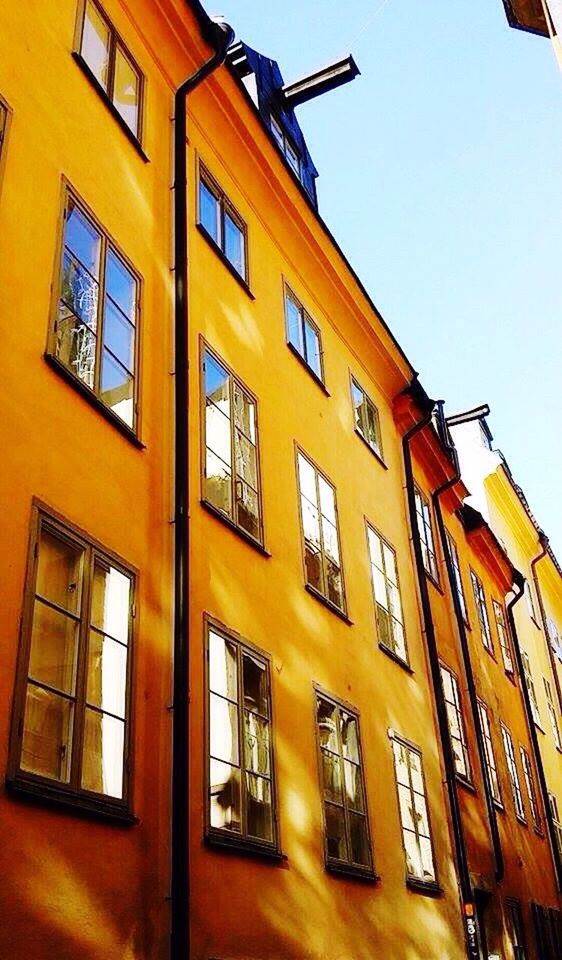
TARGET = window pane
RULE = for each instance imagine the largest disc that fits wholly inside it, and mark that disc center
(256, 743)
(294, 324)
(224, 729)
(413, 856)
(209, 211)
(248, 509)
(327, 717)
(52, 658)
(307, 479)
(126, 89)
(311, 524)
(359, 840)
(234, 244)
(244, 413)
(331, 548)
(426, 855)
(349, 739)
(222, 666)
(398, 639)
(312, 346)
(107, 674)
(82, 239)
(407, 814)
(59, 571)
(255, 685)
(379, 586)
(120, 284)
(389, 562)
(335, 832)
(225, 796)
(334, 583)
(292, 157)
(110, 606)
(47, 732)
(372, 425)
(102, 757)
(331, 772)
(217, 483)
(246, 460)
(95, 43)
(327, 504)
(353, 786)
(217, 383)
(217, 432)
(118, 335)
(313, 566)
(75, 346)
(117, 388)
(78, 294)
(357, 402)
(259, 809)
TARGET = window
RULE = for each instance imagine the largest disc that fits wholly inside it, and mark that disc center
(231, 478)
(456, 724)
(530, 785)
(366, 417)
(221, 223)
(346, 827)
(111, 65)
(457, 574)
(480, 601)
(71, 702)
(515, 925)
(552, 714)
(286, 147)
(553, 804)
(303, 335)
(530, 601)
(531, 688)
(95, 328)
(386, 592)
(319, 519)
(3, 125)
(513, 775)
(491, 766)
(425, 531)
(503, 636)
(414, 817)
(240, 805)
(555, 637)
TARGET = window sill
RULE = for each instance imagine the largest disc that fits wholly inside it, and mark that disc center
(222, 256)
(230, 843)
(247, 537)
(328, 603)
(466, 784)
(364, 874)
(498, 805)
(93, 400)
(521, 820)
(92, 79)
(396, 657)
(376, 455)
(308, 369)
(428, 887)
(434, 583)
(51, 795)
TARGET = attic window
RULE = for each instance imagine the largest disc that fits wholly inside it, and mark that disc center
(286, 147)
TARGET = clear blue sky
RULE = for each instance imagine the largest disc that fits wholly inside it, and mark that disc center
(441, 177)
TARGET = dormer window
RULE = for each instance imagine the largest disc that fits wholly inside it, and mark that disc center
(286, 147)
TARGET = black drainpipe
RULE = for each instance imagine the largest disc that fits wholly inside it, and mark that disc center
(465, 650)
(179, 944)
(519, 581)
(543, 541)
(442, 719)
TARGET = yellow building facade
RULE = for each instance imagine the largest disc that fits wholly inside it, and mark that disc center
(321, 813)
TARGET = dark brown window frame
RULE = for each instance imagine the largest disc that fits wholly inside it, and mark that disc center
(378, 452)
(288, 293)
(258, 542)
(89, 393)
(532, 796)
(333, 864)
(415, 883)
(403, 662)
(513, 773)
(482, 615)
(5, 124)
(458, 707)
(459, 586)
(342, 612)
(490, 754)
(217, 836)
(505, 646)
(225, 206)
(115, 40)
(427, 538)
(516, 922)
(45, 789)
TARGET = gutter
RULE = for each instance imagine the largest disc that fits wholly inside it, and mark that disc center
(543, 542)
(179, 942)
(519, 581)
(437, 685)
(465, 650)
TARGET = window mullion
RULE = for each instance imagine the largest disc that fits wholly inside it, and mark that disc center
(81, 671)
(111, 64)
